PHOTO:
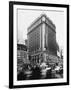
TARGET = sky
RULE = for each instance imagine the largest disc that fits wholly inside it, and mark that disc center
(26, 17)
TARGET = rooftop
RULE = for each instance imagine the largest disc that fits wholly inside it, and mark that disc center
(22, 47)
(38, 18)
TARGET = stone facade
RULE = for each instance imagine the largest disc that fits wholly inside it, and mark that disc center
(42, 40)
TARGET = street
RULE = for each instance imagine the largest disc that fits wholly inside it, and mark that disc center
(38, 74)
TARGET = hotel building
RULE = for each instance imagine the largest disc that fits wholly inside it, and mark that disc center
(42, 45)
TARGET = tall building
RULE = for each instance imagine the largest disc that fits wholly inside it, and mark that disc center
(42, 45)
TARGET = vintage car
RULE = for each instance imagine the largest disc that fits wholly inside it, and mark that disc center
(44, 69)
(59, 69)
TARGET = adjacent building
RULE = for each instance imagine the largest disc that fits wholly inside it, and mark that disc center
(42, 45)
(22, 56)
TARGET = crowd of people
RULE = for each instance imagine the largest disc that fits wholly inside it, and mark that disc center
(36, 71)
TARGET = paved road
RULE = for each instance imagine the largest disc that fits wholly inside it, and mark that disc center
(38, 74)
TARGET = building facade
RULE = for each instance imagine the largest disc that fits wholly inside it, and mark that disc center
(42, 45)
(22, 56)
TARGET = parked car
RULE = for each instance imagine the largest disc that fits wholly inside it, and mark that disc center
(27, 69)
(59, 69)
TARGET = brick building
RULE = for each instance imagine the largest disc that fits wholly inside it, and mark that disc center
(42, 45)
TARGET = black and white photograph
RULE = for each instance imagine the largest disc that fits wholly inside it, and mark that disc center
(40, 44)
